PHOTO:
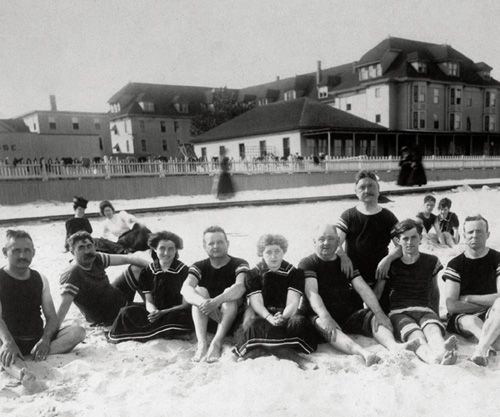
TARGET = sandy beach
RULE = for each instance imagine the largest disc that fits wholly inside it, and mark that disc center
(158, 378)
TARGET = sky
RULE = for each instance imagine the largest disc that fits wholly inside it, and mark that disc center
(84, 51)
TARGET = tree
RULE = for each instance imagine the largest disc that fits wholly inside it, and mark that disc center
(224, 107)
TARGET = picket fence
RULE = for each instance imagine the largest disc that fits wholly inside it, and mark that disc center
(117, 169)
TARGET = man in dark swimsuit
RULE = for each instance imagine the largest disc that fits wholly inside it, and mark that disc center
(24, 294)
(214, 287)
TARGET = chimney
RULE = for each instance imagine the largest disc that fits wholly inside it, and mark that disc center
(53, 104)
(318, 72)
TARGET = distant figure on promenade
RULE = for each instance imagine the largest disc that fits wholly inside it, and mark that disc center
(405, 166)
(78, 222)
(417, 175)
(225, 187)
(24, 296)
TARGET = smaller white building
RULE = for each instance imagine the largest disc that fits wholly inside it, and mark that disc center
(302, 127)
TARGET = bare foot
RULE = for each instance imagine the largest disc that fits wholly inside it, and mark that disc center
(201, 351)
(479, 360)
(29, 381)
(307, 365)
(371, 359)
(449, 358)
(451, 344)
(214, 352)
(412, 345)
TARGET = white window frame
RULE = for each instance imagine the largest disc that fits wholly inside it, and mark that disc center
(323, 92)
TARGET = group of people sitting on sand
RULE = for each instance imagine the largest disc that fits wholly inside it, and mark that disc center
(350, 285)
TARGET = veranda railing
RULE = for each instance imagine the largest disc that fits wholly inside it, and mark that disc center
(109, 169)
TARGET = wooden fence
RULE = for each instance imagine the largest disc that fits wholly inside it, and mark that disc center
(120, 169)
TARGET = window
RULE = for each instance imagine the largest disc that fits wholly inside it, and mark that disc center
(204, 153)
(455, 121)
(455, 96)
(147, 106)
(469, 124)
(419, 120)
(377, 92)
(419, 93)
(286, 147)
(263, 101)
(101, 144)
(453, 69)
(163, 127)
(363, 73)
(128, 146)
(222, 150)
(144, 146)
(164, 145)
(176, 126)
(370, 71)
(323, 92)
(490, 99)
(142, 126)
(377, 118)
(436, 121)
(115, 107)
(489, 123)
(436, 96)
(468, 98)
(290, 95)
(97, 124)
(52, 123)
(241, 147)
(348, 106)
(420, 66)
(76, 125)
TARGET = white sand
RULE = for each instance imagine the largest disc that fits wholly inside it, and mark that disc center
(158, 379)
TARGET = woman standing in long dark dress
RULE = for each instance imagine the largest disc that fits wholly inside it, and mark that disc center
(405, 164)
(417, 176)
(274, 325)
(225, 186)
(165, 313)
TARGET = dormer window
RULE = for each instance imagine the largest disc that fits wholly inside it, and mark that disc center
(115, 107)
(420, 66)
(263, 101)
(370, 71)
(323, 92)
(452, 69)
(182, 107)
(290, 95)
(147, 106)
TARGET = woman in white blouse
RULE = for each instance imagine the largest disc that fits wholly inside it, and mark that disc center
(116, 224)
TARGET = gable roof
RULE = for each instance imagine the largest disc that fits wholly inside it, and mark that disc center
(300, 114)
(164, 97)
(13, 125)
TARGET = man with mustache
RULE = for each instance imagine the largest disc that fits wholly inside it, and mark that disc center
(86, 283)
(366, 231)
(473, 290)
(24, 296)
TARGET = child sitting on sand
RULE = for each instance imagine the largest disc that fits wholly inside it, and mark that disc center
(448, 223)
(429, 220)
(415, 298)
